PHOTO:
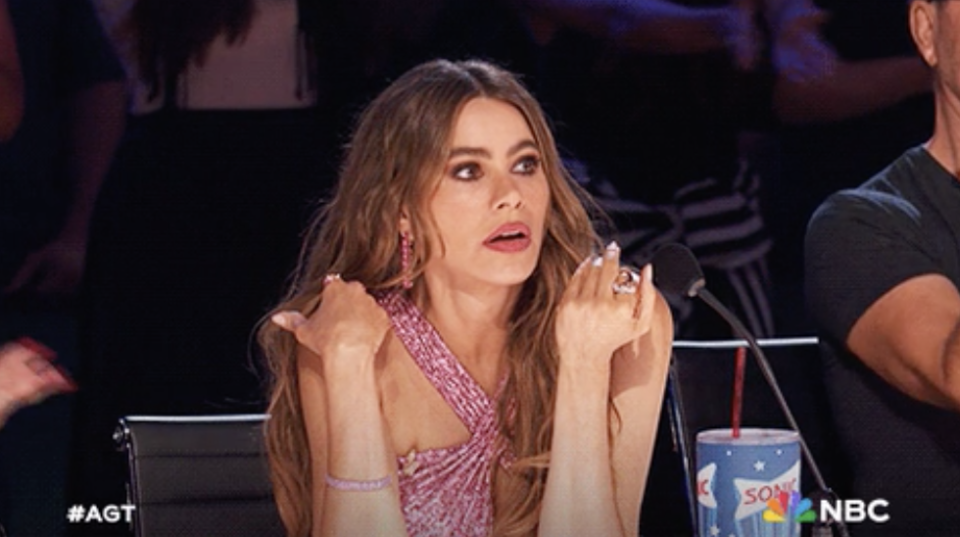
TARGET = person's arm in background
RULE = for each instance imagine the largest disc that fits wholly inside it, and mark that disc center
(847, 89)
(11, 78)
(657, 26)
(853, 88)
(94, 124)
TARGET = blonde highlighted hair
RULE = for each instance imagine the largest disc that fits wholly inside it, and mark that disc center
(392, 166)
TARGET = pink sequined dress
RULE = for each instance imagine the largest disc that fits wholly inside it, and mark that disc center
(446, 491)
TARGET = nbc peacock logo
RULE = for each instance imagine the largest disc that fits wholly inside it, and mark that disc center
(787, 506)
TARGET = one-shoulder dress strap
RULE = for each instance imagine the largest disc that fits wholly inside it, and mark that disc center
(457, 387)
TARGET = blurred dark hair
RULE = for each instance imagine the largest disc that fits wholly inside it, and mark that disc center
(169, 34)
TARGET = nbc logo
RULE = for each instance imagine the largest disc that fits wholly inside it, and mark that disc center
(788, 506)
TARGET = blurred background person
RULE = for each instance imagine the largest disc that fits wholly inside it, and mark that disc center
(49, 175)
(198, 222)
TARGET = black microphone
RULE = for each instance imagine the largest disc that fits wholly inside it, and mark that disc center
(677, 273)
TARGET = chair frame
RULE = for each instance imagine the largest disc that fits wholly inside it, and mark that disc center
(193, 446)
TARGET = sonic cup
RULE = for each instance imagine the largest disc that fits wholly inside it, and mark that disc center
(739, 479)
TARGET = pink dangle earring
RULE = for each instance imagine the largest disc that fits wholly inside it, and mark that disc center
(405, 259)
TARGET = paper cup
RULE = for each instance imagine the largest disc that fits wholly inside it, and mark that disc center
(740, 478)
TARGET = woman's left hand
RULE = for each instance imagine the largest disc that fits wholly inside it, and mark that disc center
(597, 317)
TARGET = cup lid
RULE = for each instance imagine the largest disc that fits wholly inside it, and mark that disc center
(753, 436)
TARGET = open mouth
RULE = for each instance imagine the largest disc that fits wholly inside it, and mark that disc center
(509, 238)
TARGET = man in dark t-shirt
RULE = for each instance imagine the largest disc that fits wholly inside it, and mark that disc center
(883, 273)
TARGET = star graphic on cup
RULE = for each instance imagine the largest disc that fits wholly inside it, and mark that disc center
(759, 466)
(714, 531)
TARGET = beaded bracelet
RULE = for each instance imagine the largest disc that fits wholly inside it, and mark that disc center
(358, 486)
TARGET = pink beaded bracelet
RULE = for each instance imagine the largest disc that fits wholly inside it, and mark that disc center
(358, 486)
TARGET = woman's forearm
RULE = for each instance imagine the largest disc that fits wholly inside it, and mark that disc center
(358, 453)
(579, 497)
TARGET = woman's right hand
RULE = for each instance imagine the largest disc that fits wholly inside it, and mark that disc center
(348, 323)
(593, 320)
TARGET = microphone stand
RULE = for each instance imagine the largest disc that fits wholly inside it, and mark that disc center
(767, 371)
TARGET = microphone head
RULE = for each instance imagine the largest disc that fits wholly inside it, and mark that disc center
(676, 271)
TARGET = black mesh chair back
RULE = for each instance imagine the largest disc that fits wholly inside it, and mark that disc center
(199, 476)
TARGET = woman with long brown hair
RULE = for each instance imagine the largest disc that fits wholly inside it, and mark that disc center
(454, 357)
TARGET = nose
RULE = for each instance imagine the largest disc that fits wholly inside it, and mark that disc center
(507, 194)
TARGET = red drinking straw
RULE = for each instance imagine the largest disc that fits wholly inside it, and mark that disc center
(737, 409)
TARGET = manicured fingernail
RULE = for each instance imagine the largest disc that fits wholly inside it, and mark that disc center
(280, 320)
(597, 261)
(612, 250)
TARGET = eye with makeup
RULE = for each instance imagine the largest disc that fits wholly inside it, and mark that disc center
(472, 171)
(465, 171)
(527, 164)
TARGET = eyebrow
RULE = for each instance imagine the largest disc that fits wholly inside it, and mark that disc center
(481, 152)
